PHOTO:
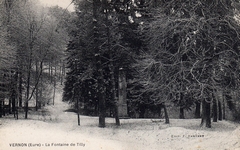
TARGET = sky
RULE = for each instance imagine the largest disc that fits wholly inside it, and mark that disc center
(62, 3)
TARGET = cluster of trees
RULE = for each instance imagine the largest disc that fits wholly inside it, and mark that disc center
(183, 52)
(102, 44)
(33, 39)
(192, 55)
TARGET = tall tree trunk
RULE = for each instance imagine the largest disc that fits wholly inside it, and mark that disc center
(40, 101)
(101, 95)
(206, 113)
(102, 105)
(20, 82)
(223, 105)
(14, 92)
(78, 111)
(122, 94)
(31, 29)
(197, 110)
(100, 83)
(36, 78)
(40, 93)
(215, 109)
(1, 107)
(79, 96)
(37, 98)
(181, 115)
(114, 95)
(74, 97)
(28, 87)
(166, 114)
(220, 115)
(54, 83)
(11, 96)
(10, 106)
(26, 109)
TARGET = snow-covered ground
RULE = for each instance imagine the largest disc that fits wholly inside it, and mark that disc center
(58, 130)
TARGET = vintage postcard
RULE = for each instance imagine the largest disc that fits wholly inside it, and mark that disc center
(119, 75)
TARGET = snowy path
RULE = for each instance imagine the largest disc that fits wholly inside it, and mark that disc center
(55, 130)
(58, 130)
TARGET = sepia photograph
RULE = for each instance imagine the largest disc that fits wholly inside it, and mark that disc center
(119, 74)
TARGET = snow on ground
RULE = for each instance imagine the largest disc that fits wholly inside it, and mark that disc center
(58, 130)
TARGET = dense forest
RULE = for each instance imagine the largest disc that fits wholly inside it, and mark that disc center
(123, 59)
